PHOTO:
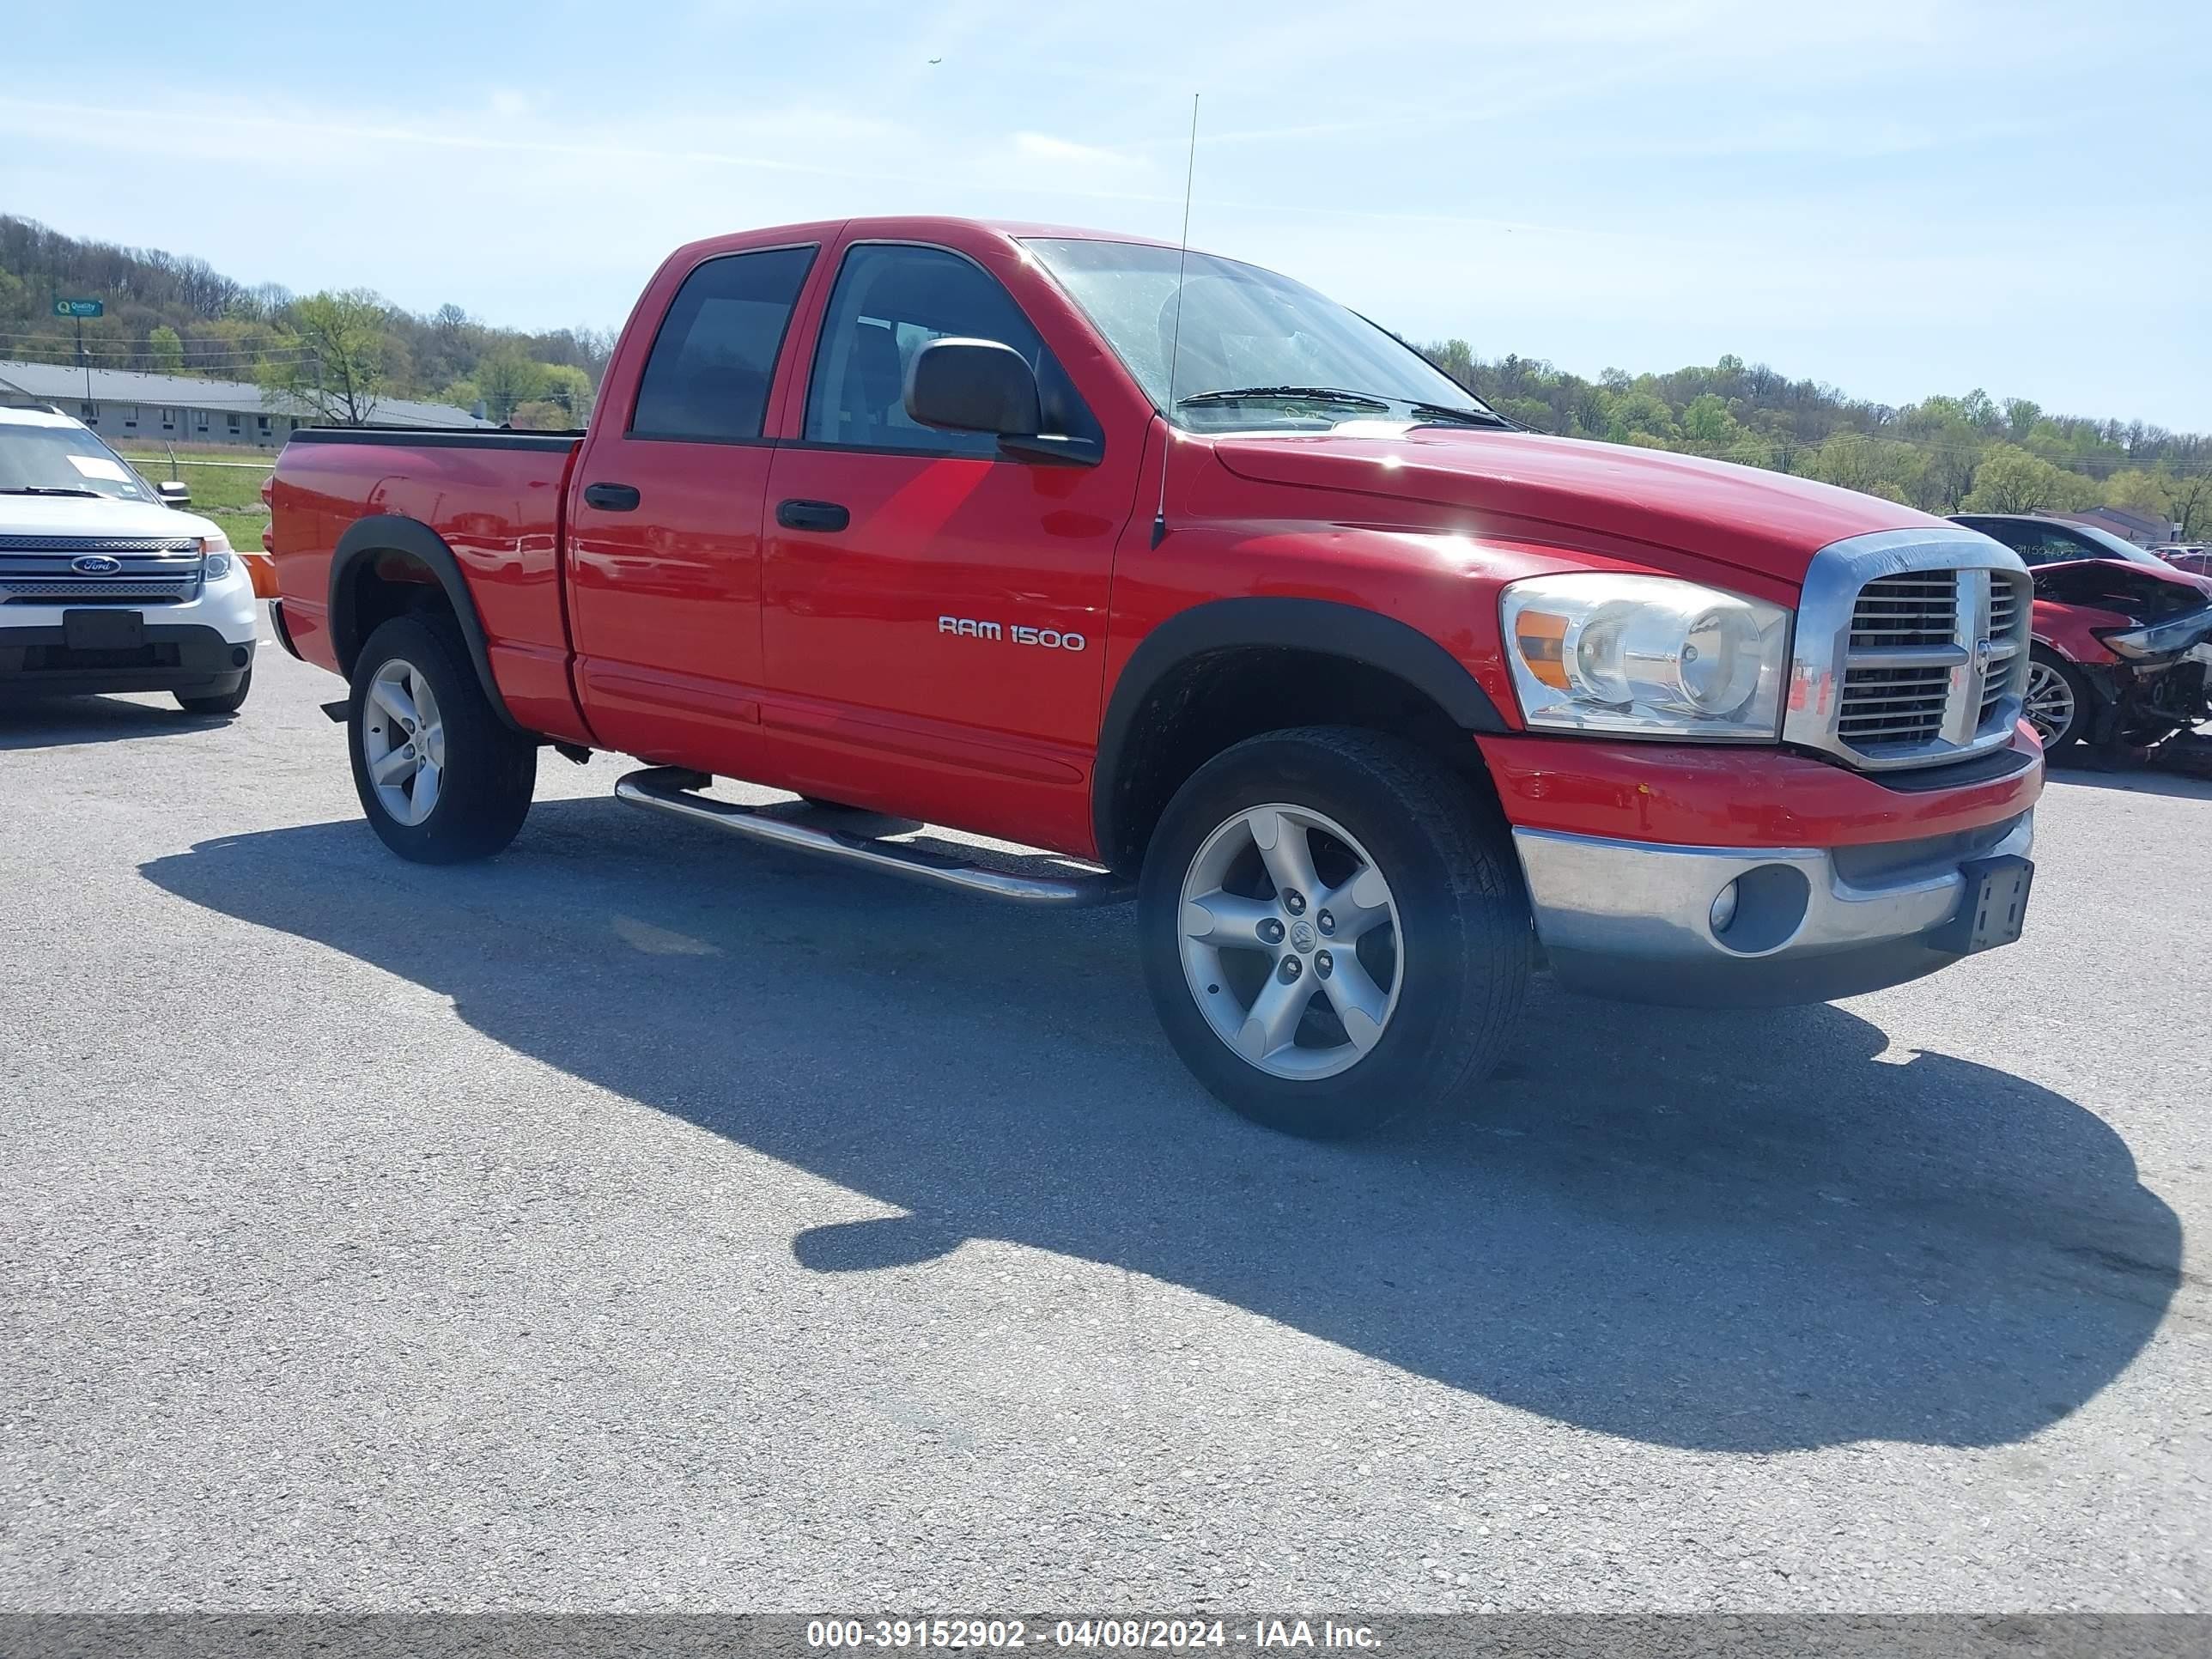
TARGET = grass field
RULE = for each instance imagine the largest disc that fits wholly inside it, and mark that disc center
(220, 487)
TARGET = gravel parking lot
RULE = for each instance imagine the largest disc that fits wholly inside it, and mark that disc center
(646, 1219)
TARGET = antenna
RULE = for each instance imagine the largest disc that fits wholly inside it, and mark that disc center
(1175, 343)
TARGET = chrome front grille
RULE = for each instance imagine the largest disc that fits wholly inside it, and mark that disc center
(2008, 620)
(1892, 705)
(148, 570)
(1909, 648)
(1919, 608)
(1886, 700)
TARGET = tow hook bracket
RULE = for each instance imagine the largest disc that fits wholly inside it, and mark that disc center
(1995, 905)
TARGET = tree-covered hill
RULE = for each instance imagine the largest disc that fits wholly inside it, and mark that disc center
(167, 314)
(342, 351)
(1943, 454)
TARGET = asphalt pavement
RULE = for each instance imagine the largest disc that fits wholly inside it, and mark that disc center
(647, 1219)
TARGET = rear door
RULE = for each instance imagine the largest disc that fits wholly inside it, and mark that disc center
(664, 527)
(929, 602)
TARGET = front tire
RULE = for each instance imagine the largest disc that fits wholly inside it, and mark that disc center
(1332, 930)
(442, 779)
(221, 702)
(2059, 702)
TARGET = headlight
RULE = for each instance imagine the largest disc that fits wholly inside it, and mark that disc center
(1645, 654)
(2174, 633)
(216, 551)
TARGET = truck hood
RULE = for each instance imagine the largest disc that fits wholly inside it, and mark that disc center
(76, 515)
(1766, 523)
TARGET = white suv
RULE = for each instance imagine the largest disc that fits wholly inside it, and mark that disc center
(103, 586)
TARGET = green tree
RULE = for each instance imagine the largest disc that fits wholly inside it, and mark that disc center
(1641, 415)
(1950, 440)
(570, 391)
(1873, 466)
(1707, 424)
(166, 347)
(335, 367)
(2010, 480)
(2189, 501)
(1532, 412)
(506, 380)
(1751, 450)
(2139, 491)
(1456, 359)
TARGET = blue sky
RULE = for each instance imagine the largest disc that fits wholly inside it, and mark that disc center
(1899, 197)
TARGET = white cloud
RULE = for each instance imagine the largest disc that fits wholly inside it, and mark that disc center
(1042, 147)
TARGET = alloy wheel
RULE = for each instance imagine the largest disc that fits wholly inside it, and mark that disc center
(1291, 941)
(2048, 702)
(404, 741)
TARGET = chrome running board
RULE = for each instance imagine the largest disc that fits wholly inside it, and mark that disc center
(672, 789)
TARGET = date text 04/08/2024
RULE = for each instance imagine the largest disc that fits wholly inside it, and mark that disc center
(1123, 1633)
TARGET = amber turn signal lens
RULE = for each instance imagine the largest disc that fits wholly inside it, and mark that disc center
(262, 570)
(1541, 638)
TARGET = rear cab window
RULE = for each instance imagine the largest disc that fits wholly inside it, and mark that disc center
(708, 377)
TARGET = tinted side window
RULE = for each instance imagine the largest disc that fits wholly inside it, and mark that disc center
(2042, 544)
(2034, 543)
(709, 375)
(890, 302)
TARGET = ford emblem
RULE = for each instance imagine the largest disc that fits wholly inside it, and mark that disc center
(95, 564)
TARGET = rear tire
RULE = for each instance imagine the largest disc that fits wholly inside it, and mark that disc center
(1407, 862)
(441, 777)
(223, 702)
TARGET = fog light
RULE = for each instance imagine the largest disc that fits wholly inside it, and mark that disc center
(1723, 909)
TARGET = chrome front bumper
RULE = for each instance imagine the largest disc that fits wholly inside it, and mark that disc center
(1635, 918)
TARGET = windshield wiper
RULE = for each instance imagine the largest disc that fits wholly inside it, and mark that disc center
(1311, 394)
(1432, 413)
(49, 490)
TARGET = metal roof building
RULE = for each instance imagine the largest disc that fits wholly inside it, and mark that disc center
(181, 410)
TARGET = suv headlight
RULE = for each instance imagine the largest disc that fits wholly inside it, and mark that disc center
(1645, 655)
(215, 552)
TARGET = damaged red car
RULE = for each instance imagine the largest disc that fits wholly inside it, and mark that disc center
(2122, 652)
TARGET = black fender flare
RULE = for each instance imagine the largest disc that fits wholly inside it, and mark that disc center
(390, 533)
(1324, 626)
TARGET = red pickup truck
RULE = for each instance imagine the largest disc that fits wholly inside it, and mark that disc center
(1174, 568)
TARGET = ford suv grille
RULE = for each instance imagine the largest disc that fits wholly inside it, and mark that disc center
(100, 569)
(1909, 650)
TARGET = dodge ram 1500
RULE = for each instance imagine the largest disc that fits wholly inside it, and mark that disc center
(1175, 568)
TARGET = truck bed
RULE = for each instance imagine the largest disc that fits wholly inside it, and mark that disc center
(495, 496)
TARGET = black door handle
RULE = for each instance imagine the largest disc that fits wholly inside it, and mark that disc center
(812, 515)
(612, 497)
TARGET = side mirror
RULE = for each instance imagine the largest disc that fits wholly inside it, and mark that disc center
(973, 386)
(174, 492)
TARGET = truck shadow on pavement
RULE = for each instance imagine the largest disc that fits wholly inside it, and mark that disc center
(1740, 1233)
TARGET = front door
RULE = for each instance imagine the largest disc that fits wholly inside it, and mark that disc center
(928, 601)
(664, 523)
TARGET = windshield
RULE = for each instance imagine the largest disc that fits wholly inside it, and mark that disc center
(63, 460)
(1257, 352)
(2116, 547)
